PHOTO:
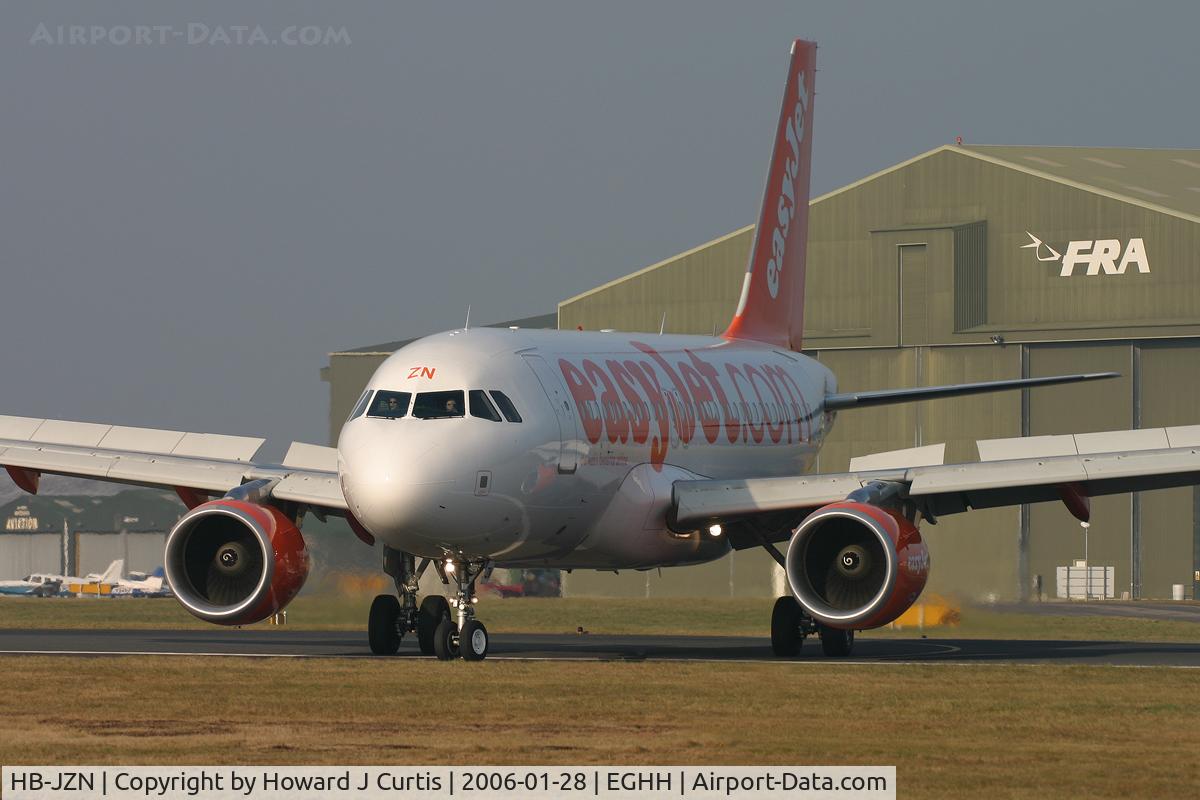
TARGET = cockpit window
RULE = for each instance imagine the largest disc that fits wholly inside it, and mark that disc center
(482, 407)
(389, 405)
(360, 406)
(438, 405)
(506, 406)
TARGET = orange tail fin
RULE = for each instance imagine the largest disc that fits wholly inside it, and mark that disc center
(771, 308)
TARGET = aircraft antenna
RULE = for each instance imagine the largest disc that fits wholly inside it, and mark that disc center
(662, 326)
(467, 324)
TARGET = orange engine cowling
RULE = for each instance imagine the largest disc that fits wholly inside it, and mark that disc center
(234, 563)
(855, 565)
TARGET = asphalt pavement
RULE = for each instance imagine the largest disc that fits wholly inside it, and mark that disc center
(283, 643)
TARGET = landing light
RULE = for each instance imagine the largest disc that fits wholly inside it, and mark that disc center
(450, 567)
(714, 530)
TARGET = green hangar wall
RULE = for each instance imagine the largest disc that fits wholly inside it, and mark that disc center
(975, 263)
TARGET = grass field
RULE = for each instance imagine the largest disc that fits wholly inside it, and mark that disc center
(953, 731)
(737, 616)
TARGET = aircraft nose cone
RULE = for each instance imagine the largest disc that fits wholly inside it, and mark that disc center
(391, 485)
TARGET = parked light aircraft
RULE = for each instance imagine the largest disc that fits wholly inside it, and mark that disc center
(32, 586)
(140, 584)
(44, 584)
(478, 448)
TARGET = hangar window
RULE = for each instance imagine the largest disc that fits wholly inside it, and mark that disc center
(389, 405)
(482, 407)
(438, 405)
(506, 406)
(360, 406)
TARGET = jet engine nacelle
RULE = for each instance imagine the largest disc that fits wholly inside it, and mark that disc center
(855, 565)
(235, 563)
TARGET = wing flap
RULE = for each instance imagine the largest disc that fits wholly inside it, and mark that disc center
(18, 428)
(142, 440)
(953, 488)
(311, 456)
(37, 432)
(1115, 441)
(1184, 435)
(216, 445)
(929, 455)
(208, 462)
(59, 431)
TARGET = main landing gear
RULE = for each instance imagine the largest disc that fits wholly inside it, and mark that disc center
(791, 625)
(446, 629)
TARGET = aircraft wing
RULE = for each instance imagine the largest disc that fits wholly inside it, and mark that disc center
(196, 465)
(1069, 468)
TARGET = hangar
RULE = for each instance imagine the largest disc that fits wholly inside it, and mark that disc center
(971, 263)
(78, 534)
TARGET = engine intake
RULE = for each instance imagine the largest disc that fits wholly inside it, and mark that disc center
(855, 565)
(234, 563)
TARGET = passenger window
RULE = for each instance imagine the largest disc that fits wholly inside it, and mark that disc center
(506, 406)
(482, 407)
(389, 405)
(438, 405)
(360, 406)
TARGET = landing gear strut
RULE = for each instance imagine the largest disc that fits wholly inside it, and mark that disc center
(791, 625)
(463, 636)
(445, 628)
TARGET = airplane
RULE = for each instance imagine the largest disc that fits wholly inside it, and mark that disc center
(31, 586)
(141, 584)
(46, 585)
(481, 448)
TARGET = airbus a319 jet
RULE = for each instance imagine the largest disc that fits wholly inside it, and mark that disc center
(481, 448)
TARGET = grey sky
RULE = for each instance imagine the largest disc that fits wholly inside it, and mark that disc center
(188, 229)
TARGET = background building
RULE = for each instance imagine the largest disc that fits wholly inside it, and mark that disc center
(75, 534)
(968, 263)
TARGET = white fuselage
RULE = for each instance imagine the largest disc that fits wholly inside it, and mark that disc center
(609, 421)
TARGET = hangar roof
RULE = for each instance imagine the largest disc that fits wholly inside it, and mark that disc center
(1158, 179)
(1163, 180)
(133, 510)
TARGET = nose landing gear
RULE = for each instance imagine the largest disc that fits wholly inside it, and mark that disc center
(446, 629)
(464, 636)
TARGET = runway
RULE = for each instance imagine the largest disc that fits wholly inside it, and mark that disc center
(260, 643)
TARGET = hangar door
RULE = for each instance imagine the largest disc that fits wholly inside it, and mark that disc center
(142, 552)
(23, 553)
